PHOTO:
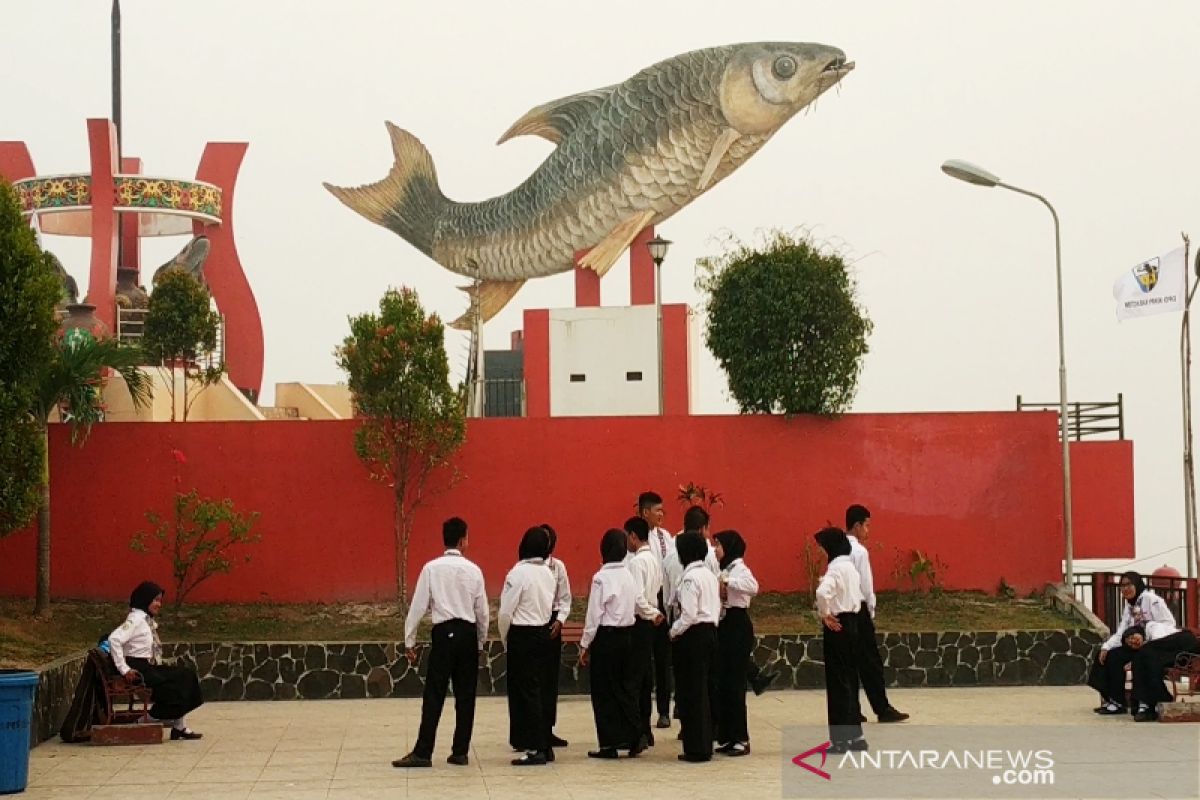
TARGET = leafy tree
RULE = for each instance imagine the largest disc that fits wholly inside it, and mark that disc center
(413, 420)
(29, 290)
(71, 382)
(784, 324)
(181, 333)
(199, 537)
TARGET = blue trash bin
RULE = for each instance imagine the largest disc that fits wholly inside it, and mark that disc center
(16, 714)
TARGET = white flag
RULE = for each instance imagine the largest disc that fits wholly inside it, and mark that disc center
(1152, 287)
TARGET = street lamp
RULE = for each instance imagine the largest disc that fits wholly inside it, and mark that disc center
(658, 247)
(978, 176)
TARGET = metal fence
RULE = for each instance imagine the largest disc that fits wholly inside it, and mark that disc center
(1086, 419)
(131, 323)
(1100, 592)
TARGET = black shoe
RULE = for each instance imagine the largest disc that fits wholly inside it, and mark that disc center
(738, 749)
(638, 748)
(1112, 709)
(840, 748)
(456, 760)
(1145, 715)
(604, 752)
(549, 754)
(725, 748)
(186, 734)
(557, 741)
(663, 721)
(890, 714)
(762, 681)
(530, 759)
(410, 761)
(694, 758)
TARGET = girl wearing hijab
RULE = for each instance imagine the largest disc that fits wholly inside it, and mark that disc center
(605, 647)
(525, 605)
(554, 643)
(1155, 647)
(735, 642)
(137, 653)
(1107, 676)
(839, 598)
(694, 635)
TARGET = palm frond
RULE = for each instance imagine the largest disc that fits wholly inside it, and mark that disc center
(75, 376)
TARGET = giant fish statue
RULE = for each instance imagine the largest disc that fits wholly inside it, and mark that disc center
(627, 156)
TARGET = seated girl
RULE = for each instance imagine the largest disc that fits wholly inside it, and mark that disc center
(137, 654)
(1155, 647)
(1107, 675)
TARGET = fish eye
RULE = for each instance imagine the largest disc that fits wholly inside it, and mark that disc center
(784, 67)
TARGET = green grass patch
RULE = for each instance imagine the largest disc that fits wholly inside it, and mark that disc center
(26, 641)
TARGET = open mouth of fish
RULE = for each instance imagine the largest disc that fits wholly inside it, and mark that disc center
(838, 66)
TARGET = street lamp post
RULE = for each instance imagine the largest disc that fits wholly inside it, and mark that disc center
(978, 176)
(658, 247)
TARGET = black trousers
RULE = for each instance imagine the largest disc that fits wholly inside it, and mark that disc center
(1151, 660)
(662, 664)
(1109, 678)
(453, 656)
(695, 658)
(841, 679)
(614, 696)
(174, 689)
(551, 664)
(526, 657)
(870, 663)
(735, 640)
(642, 668)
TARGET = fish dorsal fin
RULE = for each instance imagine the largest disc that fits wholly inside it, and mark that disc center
(555, 120)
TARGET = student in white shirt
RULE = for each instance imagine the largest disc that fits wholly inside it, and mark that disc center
(525, 604)
(554, 643)
(662, 544)
(1141, 607)
(870, 662)
(735, 643)
(137, 654)
(450, 589)
(647, 618)
(1155, 647)
(694, 635)
(605, 648)
(839, 599)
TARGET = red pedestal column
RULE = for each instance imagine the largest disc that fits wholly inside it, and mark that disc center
(223, 270)
(102, 277)
(536, 362)
(676, 386)
(641, 270)
(587, 284)
(15, 162)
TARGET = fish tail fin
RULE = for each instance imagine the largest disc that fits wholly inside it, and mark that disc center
(408, 200)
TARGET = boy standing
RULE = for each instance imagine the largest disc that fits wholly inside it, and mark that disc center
(650, 508)
(870, 664)
(451, 589)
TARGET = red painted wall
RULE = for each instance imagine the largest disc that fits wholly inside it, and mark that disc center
(1102, 499)
(981, 491)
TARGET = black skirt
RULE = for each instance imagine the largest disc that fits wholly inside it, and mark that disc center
(175, 690)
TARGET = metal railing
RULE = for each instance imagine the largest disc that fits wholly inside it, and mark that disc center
(1086, 419)
(503, 397)
(1100, 592)
(131, 323)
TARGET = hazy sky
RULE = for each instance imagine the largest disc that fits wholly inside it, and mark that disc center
(1093, 104)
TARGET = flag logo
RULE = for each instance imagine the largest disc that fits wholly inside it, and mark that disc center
(1146, 274)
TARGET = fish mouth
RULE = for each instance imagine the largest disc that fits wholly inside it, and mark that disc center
(838, 66)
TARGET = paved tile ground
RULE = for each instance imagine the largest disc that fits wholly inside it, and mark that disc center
(343, 749)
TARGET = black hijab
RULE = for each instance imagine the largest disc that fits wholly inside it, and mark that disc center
(553, 538)
(534, 544)
(691, 547)
(1139, 585)
(614, 546)
(732, 546)
(144, 595)
(833, 541)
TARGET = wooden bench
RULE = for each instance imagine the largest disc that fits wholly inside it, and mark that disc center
(124, 702)
(1187, 668)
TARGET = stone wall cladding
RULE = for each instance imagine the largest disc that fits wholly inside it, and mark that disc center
(55, 690)
(319, 671)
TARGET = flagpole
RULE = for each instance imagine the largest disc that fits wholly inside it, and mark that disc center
(1185, 359)
(115, 46)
